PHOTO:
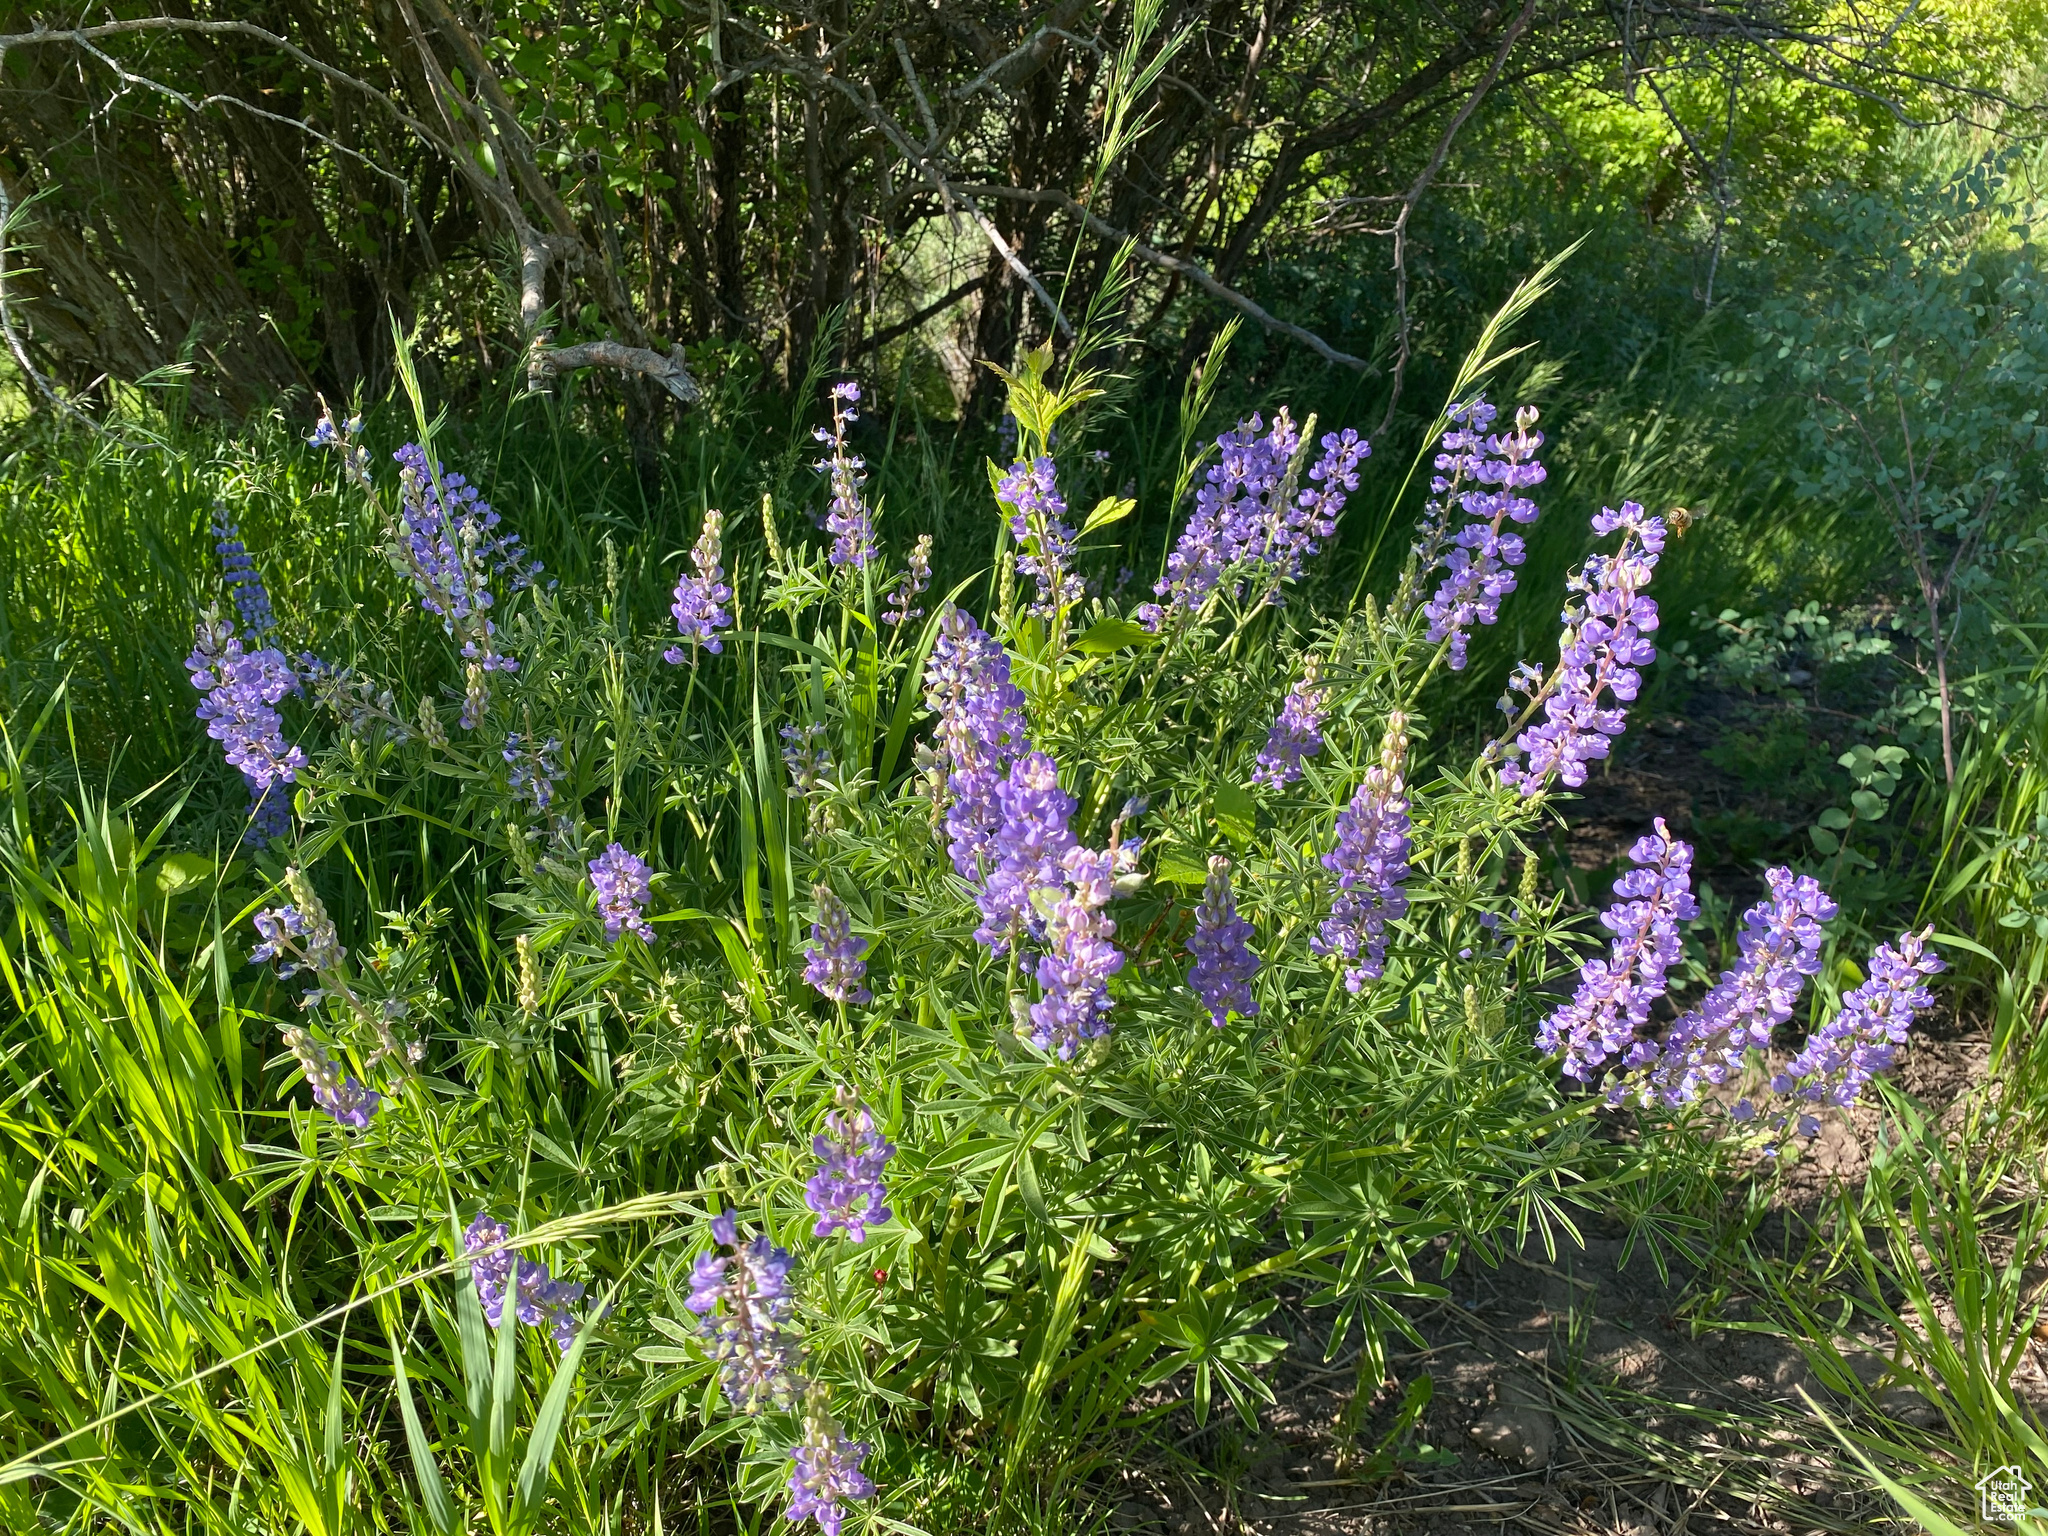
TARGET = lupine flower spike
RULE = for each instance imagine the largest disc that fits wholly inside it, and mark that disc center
(534, 770)
(1483, 557)
(980, 734)
(1861, 1040)
(1243, 517)
(252, 599)
(1603, 645)
(1224, 962)
(1029, 842)
(700, 596)
(1370, 862)
(624, 885)
(847, 1191)
(243, 689)
(537, 1298)
(833, 962)
(907, 587)
(1779, 947)
(1074, 971)
(449, 541)
(741, 1298)
(1297, 732)
(340, 1095)
(1612, 1003)
(848, 519)
(1037, 511)
(825, 1473)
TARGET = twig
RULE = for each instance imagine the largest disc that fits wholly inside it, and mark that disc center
(1199, 276)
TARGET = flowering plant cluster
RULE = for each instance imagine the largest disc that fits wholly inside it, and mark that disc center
(1092, 890)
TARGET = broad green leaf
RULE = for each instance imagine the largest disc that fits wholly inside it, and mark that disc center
(1106, 636)
(1111, 509)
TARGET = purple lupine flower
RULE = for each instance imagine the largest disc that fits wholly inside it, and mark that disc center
(252, 598)
(1230, 508)
(1073, 973)
(833, 962)
(1370, 861)
(980, 734)
(1242, 516)
(453, 546)
(302, 937)
(1779, 948)
(1602, 647)
(270, 815)
(1297, 732)
(345, 1099)
(847, 1191)
(243, 689)
(903, 592)
(848, 519)
(698, 608)
(1612, 1003)
(1031, 492)
(624, 885)
(449, 542)
(341, 436)
(1483, 556)
(534, 770)
(805, 756)
(1298, 532)
(825, 1474)
(1030, 841)
(1224, 962)
(741, 1298)
(1862, 1039)
(537, 1298)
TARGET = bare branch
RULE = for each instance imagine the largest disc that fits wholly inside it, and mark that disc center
(1198, 275)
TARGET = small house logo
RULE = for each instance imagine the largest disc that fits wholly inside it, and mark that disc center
(2002, 1494)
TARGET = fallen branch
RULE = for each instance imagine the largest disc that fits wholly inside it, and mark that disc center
(670, 372)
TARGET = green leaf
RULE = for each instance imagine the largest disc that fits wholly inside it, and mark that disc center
(1869, 804)
(433, 1492)
(547, 1424)
(1111, 509)
(1236, 814)
(1107, 635)
(1835, 819)
(1824, 840)
(1177, 869)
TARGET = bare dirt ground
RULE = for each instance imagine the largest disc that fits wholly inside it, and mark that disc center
(1582, 1391)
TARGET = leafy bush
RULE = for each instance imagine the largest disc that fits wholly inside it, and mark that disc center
(840, 1094)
